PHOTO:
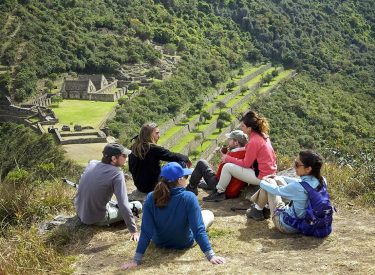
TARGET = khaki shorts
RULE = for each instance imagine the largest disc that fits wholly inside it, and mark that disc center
(112, 215)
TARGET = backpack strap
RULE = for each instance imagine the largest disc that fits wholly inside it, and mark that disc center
(307, 186)
(309, 189)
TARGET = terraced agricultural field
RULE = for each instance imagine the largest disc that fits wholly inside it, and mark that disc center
(241, 104)
(210, 105)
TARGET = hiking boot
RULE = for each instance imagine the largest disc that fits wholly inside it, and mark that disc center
(266, 213)
(192, 189)
(255, 214)
(215, 196)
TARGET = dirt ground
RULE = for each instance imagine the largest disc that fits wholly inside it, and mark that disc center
(249, 247)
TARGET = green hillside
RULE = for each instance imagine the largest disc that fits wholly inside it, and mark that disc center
(328, 106)
(330, 44)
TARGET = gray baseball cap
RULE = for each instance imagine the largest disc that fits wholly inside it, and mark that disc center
(238, 135)
(115, 149)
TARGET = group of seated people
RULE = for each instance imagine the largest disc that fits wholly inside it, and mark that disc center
(172, 217)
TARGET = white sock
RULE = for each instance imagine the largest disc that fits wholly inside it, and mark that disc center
(257, 207)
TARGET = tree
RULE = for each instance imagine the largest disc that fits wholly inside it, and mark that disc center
(5, 80)
(220, 124)
(224, 116)
(199, 105)
(220, 105)
(275, 73)
(53, 76)
(268, 78)
(49, 84)
(205, 116)
(190, 112)
(231, 85)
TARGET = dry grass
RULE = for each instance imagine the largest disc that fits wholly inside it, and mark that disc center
(23, 251)
(249, 247)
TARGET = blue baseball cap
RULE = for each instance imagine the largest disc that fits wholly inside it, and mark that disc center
(172, 171)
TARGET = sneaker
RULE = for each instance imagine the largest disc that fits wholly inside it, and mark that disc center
(266, 213)
(203, 185)
(255, 214)
(192, 189)
(215, 196)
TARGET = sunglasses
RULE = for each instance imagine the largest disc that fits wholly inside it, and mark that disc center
(153, 125)
(297, 164)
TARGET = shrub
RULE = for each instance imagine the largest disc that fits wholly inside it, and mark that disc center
(133, 86)
(231, 85)
(220, 124)
(26, 199)
(23, 251)
(224, 116)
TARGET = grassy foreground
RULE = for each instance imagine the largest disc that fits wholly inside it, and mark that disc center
(94, 250)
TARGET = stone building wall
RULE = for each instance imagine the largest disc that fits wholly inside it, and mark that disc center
(81, 139)
(43, 100)
(84, 140)
(107, 89)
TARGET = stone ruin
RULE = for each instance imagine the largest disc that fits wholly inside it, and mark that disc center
(91, 87)
(32, 116)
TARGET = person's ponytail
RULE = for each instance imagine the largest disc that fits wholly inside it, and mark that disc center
(257, 123)
(263, 125)
(162, 193)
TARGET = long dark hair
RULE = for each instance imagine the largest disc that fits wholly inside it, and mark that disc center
(315, 161)
(162, 192)
(142, 142)
(256, 122)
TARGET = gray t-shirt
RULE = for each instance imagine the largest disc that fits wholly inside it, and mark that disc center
(96, 187)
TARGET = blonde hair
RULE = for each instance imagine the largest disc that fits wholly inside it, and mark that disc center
(142, 142)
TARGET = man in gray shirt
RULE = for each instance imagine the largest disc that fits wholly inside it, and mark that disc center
(98, 183)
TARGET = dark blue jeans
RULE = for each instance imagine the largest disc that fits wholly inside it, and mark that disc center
(203, 170)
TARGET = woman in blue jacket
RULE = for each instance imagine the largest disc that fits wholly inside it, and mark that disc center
(308, 167)
(172, 217)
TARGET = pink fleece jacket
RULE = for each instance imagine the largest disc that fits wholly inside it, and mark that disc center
(260, 149)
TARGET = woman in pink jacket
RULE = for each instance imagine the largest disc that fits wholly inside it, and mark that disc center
(258, 149)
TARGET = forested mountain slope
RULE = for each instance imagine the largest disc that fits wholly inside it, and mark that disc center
(331, 44)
